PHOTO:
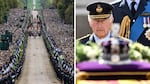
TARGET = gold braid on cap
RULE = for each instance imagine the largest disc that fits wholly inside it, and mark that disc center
(125, 27)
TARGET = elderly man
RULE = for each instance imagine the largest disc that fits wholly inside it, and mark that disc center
(100, 20)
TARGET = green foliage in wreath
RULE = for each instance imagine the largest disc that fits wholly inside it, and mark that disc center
(91, 51)
(87, 52)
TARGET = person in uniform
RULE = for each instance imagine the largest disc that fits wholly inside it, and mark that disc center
(100, 19)
(130, 14)
(124, 7)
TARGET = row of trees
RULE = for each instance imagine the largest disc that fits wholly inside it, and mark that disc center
(66, 11)
(5, 6)
(65, 8)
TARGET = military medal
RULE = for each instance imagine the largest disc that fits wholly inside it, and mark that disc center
(144, 22)
(147, 34)
(148, 22)
(148, 19)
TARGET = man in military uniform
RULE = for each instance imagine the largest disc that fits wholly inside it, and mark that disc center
(137, 27)
(132, 8)
(100, 20)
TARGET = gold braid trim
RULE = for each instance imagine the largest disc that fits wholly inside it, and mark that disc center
(84, 75)
(125, 27)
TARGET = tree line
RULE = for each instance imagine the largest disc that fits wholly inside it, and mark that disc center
(5, 6)
(65, 8)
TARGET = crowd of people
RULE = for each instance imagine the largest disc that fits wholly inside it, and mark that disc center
(5, 55)
(12, 59)
(63, 69)
(10, 66)
(61, 63)
(63, 34)
(34, 27)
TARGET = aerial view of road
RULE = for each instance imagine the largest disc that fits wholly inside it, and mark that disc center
(36, 45)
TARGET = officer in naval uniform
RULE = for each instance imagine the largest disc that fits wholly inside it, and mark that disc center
(137, 24)
(124, 7)
(100, 19)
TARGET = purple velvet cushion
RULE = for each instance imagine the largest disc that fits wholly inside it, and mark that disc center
(97, 67)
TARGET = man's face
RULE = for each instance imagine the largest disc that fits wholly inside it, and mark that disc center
(101, 27)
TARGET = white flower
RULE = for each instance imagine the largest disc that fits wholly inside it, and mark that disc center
(91, 54)
(87, 49)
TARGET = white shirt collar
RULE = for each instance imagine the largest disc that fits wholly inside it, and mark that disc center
(98, 40)
(136, 5)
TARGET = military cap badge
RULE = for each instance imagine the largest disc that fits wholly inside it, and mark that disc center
(99, 9)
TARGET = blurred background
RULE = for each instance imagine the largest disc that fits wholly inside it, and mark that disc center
(82, 26)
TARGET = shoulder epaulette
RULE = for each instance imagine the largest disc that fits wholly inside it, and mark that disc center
(84, 36)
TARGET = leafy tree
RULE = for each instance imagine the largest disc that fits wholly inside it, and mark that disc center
(3, 11)
(65, 8)
(13, 3)
(5, 5)
(69, 14)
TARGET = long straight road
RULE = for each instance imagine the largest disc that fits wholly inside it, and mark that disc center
(37, 68)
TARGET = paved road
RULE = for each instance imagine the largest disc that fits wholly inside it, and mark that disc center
(37, 68)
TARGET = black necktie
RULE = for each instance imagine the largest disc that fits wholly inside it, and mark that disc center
(132, 8)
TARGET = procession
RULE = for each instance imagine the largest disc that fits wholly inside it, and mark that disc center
(30, 53)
